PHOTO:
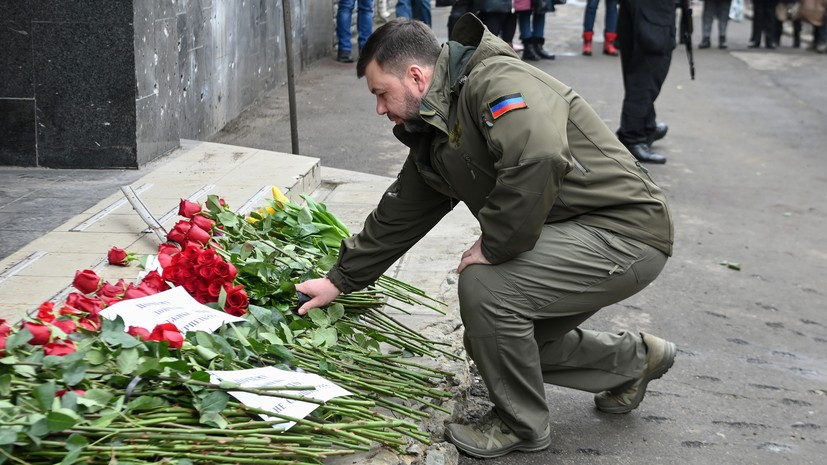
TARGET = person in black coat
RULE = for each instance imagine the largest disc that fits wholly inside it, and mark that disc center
(646, 30)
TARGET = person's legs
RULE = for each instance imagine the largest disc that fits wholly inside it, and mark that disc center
(706, 23)
(493, 21)
(723, 20)
(521, 317)
(645, 64)
(344, 21)
(524, 20)
(590, 15)
(509, 27)
(403, 9)
(611, 16)
(364, 21)
(421, 10)
(538, 25)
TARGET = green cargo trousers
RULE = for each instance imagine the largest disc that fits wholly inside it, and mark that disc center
(521, 319)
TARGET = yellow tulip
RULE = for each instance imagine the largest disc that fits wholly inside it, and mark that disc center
(279, 198)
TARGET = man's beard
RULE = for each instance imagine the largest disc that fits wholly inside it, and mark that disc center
(412, 121)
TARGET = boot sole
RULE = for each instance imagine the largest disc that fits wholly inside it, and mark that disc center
(669, 358)
(533, 446)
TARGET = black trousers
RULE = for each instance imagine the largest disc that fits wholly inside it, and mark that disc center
(646, 29)
(763, 22)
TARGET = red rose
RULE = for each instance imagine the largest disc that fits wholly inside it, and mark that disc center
(112, 290)
(207, 257)
(2, 345)
(59, 347)
(214, 289)
(203, 222)
(119, 257)
(137, 331)
(46, 312)
(198, 235)
(191, 252)
(40, 333)
(195, 245)
(236, 297)
(86, 281)
(60, 392)
(5, 329)
(168, 248)
(70, 311)
(167, 332)
(226, 271)
(179, 232)
(67, 326)
(155, 281)
(164, 259)
(86, 304)
(109, 301)
(202, 296)
(189, 286)
(90, 323)
(206, 272)
(133, 292)
(188, 209)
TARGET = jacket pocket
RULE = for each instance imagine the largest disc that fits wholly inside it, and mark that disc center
(656, 34)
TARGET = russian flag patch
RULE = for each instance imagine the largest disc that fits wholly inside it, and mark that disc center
(506, 103)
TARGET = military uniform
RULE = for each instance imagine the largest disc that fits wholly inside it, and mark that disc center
(570, 223)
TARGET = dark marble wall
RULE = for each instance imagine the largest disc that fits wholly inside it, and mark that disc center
(63, 88)
(117, 83)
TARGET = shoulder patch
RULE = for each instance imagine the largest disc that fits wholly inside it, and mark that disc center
(506, 103)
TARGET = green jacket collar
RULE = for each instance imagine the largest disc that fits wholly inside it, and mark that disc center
(471, 44)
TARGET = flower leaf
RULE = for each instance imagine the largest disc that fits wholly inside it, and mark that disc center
(7, 436)
(325, 337)
(213, 403)
(95, 399)
(213, 419)
(127, 361)
(319, 317)
(20, 338)
(44, 395)
(335, 312)
(146, 403)
(61, 419)
(74, 445)
(5, 386)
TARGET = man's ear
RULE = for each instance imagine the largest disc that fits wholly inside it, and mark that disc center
(421, 77)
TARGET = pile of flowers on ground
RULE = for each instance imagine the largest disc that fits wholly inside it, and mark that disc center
(79, 388)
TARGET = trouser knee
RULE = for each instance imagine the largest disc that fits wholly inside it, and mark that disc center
(476, 302)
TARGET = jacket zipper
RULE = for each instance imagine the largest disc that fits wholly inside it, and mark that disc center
(469, 166)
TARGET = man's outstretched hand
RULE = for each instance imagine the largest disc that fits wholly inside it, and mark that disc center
(321, 292)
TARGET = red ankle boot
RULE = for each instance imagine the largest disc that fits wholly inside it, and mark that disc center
(609, 44)
(587, 43)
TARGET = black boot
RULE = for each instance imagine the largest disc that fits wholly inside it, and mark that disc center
(541, 52)
(529, 50)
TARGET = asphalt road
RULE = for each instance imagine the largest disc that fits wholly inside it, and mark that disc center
(747, 181)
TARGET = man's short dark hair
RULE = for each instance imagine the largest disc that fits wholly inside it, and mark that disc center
(397, 44)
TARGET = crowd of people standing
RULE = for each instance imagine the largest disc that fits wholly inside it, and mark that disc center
(506, 17)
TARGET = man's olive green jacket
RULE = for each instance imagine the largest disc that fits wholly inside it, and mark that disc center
(519, 148)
